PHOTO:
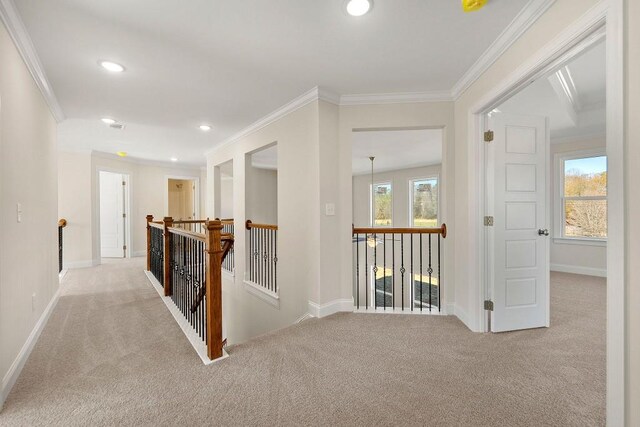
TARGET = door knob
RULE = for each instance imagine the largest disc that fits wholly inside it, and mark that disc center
(543, 232)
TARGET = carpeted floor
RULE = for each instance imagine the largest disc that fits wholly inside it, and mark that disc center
(112, 355)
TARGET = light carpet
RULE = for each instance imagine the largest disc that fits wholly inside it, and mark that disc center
(112, 354)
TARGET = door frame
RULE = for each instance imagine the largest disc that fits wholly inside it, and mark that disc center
(605, 18)
(196, 196)
(127, 210)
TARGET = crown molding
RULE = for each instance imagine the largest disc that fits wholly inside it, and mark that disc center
(396, 98)
(15, 27)
(521, 23)
(312, 95)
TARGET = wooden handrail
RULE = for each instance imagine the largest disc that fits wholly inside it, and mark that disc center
(190, 221)
(62, 223)
(156, 224)
(186, 233)
(249, 225)
(398, 230)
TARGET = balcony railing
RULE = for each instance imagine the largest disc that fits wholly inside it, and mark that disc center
(228, 227)
(398, 269)
(62, 223)
(262, 262)
(188, 267)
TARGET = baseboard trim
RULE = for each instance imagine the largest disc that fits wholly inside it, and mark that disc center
(303, 318)
(576, 269)
(139, 254)
(15, 369)
(81, 264)
(332, 307)
(62, 274)
(198, 345)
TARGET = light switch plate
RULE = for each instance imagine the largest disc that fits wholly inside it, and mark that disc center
(330, 209)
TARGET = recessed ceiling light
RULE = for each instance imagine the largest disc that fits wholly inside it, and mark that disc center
(111, 66)
(205, 127)
(108, 121)
(122, 153)
(174, 159)
(358, 7)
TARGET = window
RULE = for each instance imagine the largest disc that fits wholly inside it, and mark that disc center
(582, 207)
(382, 205)
(424, 202)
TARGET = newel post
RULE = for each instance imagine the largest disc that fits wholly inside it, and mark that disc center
(168, 222)
(213, 250)
(149, 220)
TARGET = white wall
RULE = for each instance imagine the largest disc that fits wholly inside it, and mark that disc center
(79, 200)
(28, 250)
(262, 195)
(226, 198)
(74, 178)
(401, 193)
(571, 257)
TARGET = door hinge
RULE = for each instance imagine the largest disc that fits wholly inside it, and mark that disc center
(488, 136)
(124, 247)
(488, 305)
(488, 221)
(124, 215)
(124, 183)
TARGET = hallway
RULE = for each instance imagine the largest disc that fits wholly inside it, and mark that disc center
(112, 354)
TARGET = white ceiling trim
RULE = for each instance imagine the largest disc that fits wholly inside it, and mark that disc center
(304, 99)
(12, 21)
(139, 161)
(521, 23)
(396, 98)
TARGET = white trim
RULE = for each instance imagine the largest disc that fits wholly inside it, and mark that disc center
(576, 269)
(408, 312)
(332, 307)
(82, 264)
(15, 27)
(15, 369)
(520, 24)
(231, 275)
(303, 318)
(62, 274)
(579, 241)
(138, 254)
(293, 105)
(262, 293)
(194, 339)
(397, 98)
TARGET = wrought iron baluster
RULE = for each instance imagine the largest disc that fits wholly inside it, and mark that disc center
(430, 271)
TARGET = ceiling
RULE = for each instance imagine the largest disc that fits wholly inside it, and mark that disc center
(395, 149)
(585, 114)
(228, 63)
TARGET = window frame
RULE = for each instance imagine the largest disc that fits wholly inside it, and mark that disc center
(435, 176)
(372, 202)
(559, 197)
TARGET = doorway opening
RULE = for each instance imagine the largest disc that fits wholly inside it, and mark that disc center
(182, 198)
(397, 217)
(546, 191)
(114, 215)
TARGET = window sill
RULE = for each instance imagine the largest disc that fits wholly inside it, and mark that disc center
(262, 293)
(579, 241)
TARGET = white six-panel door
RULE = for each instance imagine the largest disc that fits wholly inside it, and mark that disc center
(112, 221)
(517, 188)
